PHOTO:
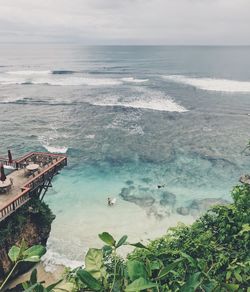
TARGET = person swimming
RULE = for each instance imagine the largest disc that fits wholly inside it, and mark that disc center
(111, 202)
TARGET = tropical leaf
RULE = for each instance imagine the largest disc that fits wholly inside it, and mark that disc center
(33, 254)
(14, 253)
(94, 263)
(33, 277)
(231, 287)
(122, 241)
(192, 283)
(86, 278)
(139, 285)
(170, 267)
(136, 270)
(107, 238)
(138, 245)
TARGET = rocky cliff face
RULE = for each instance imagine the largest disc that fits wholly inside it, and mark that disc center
(32, 224)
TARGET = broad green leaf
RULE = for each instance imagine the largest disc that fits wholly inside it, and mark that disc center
(35, 288)
(23, 247)
(25, 285)
(89, 280)
(155, 265)
(138, 245)
(192, 283)
(122, 241)
(33, 277)
(228, 275)
(33, 259)
(238, 276)
(136, 270)
(94, 263)
(140, 285)
(14, 253)
(35, 250)
(107, 238)
(231, 287)
(245, 228)
(107, 250)
(189, 258)
(170, 267)
(34, 253)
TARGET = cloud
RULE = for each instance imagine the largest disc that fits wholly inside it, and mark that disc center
(126, 21)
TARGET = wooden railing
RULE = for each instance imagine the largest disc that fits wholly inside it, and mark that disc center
(58, 161)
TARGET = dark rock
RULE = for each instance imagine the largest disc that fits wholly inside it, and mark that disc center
(143, 189)
(143, 201)
(129, 182)
(245, 179)
(167, 198)
(182, 211)
(158, 213)
(146, 180)
(204, 204)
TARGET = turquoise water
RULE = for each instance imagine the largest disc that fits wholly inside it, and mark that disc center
(130, 119)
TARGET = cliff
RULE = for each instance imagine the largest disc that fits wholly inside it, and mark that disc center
(32, 223)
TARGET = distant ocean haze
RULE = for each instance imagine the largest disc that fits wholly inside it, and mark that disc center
(130, 119)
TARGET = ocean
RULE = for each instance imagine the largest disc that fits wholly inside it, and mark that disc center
(130, 118)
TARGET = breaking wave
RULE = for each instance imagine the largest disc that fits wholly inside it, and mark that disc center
(29, 72)
(167, 105)
(67, 81)
(53, 259)
(56, 149)
(134, 80)
(212, 84)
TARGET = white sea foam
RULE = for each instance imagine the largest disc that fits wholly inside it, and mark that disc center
(30, 72)
(10, 99)
(48, 142)
(53, 259)
(59, 81)
(90, 136)
(134, 80)
(212, 84)
(167, 104)
(56, 149)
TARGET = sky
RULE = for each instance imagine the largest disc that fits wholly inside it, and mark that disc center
(126, 22)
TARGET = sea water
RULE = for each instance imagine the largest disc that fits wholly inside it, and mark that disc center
(130, 119)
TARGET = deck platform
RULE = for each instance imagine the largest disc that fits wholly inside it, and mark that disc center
(29, 184)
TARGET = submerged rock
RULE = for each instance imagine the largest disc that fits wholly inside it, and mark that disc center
(182, 211)
(158, 212)
(143, 201)
(245, 179)
(129, 182)
(204, 204)
(146, 180)
(167, 199)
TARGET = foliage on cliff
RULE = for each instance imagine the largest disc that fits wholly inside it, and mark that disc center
(31, 223)
(210, 255)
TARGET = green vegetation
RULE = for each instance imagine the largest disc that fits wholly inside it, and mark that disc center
(210, 255)
(21, 254)
(13, 225)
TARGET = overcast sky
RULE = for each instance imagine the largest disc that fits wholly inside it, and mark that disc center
(126, 21)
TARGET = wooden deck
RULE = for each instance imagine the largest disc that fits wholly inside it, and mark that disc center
(25, 187)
